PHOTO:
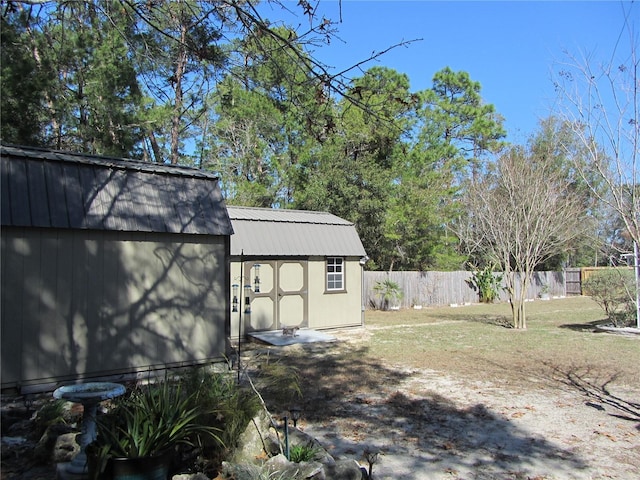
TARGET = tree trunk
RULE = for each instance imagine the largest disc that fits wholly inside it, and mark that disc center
(518, 310)
(517, 295)
(179, 73)
(519, 315)
(157, 152)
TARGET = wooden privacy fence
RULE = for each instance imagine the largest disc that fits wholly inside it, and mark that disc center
(448, 288)
(573, 281)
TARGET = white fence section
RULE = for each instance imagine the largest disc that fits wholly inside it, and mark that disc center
(447, 288)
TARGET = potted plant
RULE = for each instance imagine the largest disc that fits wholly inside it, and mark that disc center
(138, 436)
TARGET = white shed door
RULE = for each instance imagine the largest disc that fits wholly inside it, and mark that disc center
(283, 297)
(292, 294)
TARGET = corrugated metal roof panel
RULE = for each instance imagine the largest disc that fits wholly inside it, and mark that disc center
(56, 184)
(38, 196)
(5, 204)
(292, 233)
(45, 188)
(73, 194)
(284, 215)
(19, 192)
(105, 162)
(92, 182)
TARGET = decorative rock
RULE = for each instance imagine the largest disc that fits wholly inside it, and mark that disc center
(344, 470)
(190, 476)
(45, 448)
(16, 427)
(13, 441)
(258, 439)
(280, 467)
(261, 440)
(65, 448)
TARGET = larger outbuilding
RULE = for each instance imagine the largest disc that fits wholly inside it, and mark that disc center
(109, 267)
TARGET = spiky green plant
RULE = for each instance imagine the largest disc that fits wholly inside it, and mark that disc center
(302, 453)
(51, 413)
(148, 422)
(280, 382)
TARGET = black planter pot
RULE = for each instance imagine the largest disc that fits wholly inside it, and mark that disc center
(143, 468)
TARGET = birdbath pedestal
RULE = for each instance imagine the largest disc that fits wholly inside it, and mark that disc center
(89, 395)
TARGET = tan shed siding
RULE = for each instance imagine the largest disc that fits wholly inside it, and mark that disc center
(331, 310)
(323, 310)
(78, 303)
(11, 331)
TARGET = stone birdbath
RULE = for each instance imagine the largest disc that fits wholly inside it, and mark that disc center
(89, 395)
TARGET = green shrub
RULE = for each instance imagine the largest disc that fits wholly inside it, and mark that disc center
(487, 283)
(388, 292)
(614, 290)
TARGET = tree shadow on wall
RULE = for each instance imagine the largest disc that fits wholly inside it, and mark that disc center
(127, 274)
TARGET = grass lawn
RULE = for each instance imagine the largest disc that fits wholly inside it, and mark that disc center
(472, 341)
(451, 393)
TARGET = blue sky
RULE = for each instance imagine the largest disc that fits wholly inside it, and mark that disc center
(510, 47)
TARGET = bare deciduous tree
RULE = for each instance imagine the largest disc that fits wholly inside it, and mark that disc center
(601, 101)
(522, 212)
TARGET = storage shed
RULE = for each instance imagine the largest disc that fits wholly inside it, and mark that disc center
(294, 268)
(109, 266)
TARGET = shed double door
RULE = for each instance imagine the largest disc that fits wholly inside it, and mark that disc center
(283, 296)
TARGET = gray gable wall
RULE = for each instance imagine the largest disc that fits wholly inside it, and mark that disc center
(44, 188)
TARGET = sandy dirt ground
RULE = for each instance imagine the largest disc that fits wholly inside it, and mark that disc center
(426, 425)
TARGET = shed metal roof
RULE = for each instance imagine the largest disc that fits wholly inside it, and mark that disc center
(292, 233)
(45, 188)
